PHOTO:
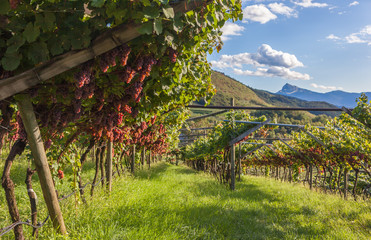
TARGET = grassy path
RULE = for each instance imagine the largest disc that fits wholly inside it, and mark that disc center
(174, 202)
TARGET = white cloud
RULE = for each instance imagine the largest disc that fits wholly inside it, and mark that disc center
(333, 37)
(353, 3)
(265, 56)
(354, 38)
(273, 72)
(231, 29)
(280, 8)
(258, 13)
(363, 36)
(268, 56)
(332, 88)
(267, 61)
(309, 3)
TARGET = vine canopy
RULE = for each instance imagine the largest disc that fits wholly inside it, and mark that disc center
(164, 68)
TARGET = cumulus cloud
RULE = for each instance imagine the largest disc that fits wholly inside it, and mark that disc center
(280, 8)
(231, 29)
(333, 37)
(353, 3)
(332, 88)
(273, 72)
(309, 3)
(363, 36)
(258, 13)
(267, 61)
(265, 56)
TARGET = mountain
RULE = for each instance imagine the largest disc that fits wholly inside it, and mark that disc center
(243, 95)
(338, 98)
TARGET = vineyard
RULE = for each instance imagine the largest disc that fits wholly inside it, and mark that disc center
(94, 90)
(109, 75)
(334, 158)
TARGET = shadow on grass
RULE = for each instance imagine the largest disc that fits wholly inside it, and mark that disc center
(217, 221)
(155, 172)
(247, 213)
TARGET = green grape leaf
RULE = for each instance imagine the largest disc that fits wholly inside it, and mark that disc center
(49, 20)
(168, 11)
(151, 12)
(55, 46)
(146, 3)
(178, 24)
(97, 3)
(31, 32)
(38, 52)
(157, 25)
(46, 21)
(15, 43)
(146, 28)
(4, 6)
(11, 61)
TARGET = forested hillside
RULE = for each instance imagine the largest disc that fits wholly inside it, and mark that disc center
(243, 95)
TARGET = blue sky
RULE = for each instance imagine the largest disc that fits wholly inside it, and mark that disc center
(321, 45)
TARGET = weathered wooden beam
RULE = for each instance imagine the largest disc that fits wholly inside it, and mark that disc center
(41, 162)
(248, 132)
(102, 44)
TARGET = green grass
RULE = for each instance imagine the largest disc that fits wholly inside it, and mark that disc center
(174, 202)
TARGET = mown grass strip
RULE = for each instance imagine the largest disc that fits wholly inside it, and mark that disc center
(174, 202)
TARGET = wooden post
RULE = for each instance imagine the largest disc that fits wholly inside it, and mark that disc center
(310, 176)
(109, 166)
(239, 162)
(346, 183)
(41, 162)
(143, 156)
(132, 160)
(233, 177)
(149, 159)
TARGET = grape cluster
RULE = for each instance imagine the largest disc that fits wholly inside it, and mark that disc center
(123, 54)
(14, 3)
(48, 144)
(85, 74)
(60, 174)
(127, 75)
(108, 59)
(172, 54)
(146, 67)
